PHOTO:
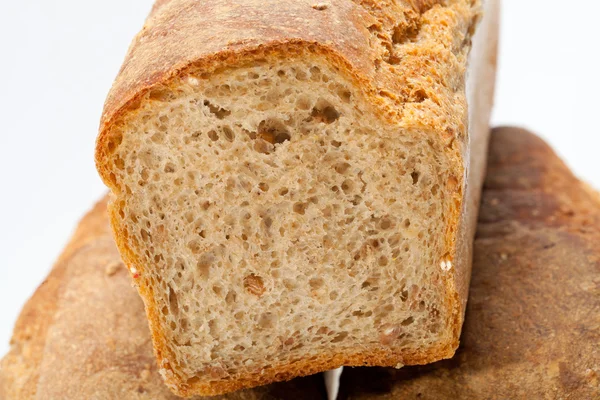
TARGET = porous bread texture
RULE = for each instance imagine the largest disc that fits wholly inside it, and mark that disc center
(275, 218)
(288, 196)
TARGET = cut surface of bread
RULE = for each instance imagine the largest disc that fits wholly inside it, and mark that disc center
(532, 325)
(293, 197)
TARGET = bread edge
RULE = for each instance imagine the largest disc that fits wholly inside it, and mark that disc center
(479, 90)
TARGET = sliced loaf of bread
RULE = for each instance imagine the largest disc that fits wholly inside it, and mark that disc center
(295, 183)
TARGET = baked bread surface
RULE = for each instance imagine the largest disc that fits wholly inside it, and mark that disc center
(295, 183)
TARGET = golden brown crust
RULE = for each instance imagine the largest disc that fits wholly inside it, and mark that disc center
(480, 95)
(533, 319)
(413, 84)
(84, 334)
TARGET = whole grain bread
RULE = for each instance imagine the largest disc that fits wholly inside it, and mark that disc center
(532, 326)
(295, 183)
(532, 329)
(84, 333)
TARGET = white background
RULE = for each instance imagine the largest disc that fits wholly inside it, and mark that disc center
(58, 59)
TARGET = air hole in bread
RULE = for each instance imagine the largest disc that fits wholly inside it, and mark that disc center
(213, 135)
(315, 73)
(273, 131)
(342, 168)
(169, 168)
(268, 221)
(324, 112)
(231, 297)
(415, 177)
(228, 133)
(316, 283)
(254, 284)
(218, 290)
(195, 246)
(267, 320)
(419, 96)
(339, 337)
(301, 75)
(289, 284)
(160, 94)
(213, 326)
(348, 186)
(204, 264)
(218, 112)
(405, 33)
(299, 208)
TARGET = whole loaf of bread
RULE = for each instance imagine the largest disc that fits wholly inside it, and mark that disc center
(295, 183)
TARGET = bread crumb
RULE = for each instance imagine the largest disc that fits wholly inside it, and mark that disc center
(112, 268)
(399, 365)
(503, 256)
(320, 6)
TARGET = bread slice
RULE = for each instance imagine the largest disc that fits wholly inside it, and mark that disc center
(295, 183)
(532, 326)
(84, 334)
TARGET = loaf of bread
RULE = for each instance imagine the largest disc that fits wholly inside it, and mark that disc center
(295, 182)
(532, 329)
(84, 334)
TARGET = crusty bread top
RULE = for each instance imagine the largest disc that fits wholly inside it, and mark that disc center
(532, 329)
(365, 39)
(84, 335)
